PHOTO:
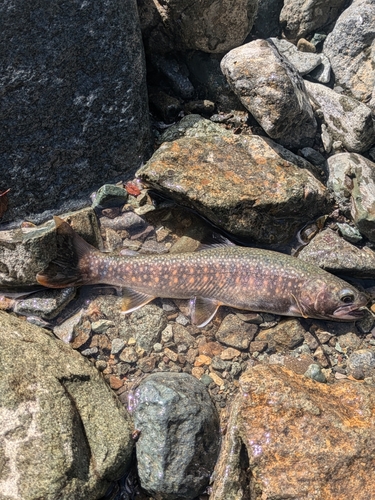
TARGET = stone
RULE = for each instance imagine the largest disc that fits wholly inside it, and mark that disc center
(331, 252)
(281, 419)
(323, 72)
(243, 184)
(236, 333)
(63, 433)
(110, 195)
(350, 48)
(286, 335)
(175, 25)
(352, 181)
(267, 19)
(361, 363)
(229, 354)
(304, 62)
(146, 325)
(314, 372)
(84, 78)
(347, 120)
(299, 18)
(179, 439)
(272, 91)
(47, 303)
(26, 251)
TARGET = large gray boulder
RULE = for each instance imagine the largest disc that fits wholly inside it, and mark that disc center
(62, 432)
(73, 104)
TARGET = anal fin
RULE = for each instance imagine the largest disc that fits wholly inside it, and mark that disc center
(202, 310)
(132, 300)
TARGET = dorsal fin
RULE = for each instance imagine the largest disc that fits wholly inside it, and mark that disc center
(202, 310)
(214, 240)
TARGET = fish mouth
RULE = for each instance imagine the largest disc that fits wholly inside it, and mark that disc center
(350, 313)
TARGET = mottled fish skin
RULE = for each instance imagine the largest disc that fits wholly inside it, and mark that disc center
(244, 278)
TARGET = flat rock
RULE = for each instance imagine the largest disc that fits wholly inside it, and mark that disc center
(347, 120)
(352, 181)
(299, 18)
(350, 48)
(74, 108)
(286, 335)
(179, 435)
(331, 252)
(297, 438)
(62, 432)
(271, 89)
(249, 186)
(304, 62)
(236, 333)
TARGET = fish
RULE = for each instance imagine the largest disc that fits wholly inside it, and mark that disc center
(240, 277)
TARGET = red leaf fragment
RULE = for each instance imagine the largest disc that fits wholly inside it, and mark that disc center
(132, 188)
(4, 202)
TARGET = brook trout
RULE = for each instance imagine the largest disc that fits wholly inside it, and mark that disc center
(243, 278)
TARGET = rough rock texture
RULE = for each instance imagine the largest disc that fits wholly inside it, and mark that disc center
(26, 251)
(206, 25)
(304, 62)
(62, 433)
(245, 185)
(267, 19)
(331, 252)
(74, 104)
(300, 18)
(179, 439)
(292, 437)
(287, 334)
(352, 180)
(347, 120)
(351, 49)
(273, 91)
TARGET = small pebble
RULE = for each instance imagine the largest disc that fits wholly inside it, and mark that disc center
(229, 354)
(101, 326)
(182, 320)
(314, 372)
(167, 334)
(117, 345)
(157, 347)
(90, 352)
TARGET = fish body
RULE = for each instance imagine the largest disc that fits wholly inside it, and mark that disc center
(243, 278)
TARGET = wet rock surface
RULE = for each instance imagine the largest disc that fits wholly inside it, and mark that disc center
(179, 432)
(247, 185)
(62, 431)
(281, 420)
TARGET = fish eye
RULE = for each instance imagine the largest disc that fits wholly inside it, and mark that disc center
(347, 296)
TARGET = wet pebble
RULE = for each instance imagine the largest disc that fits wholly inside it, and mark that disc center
(314, 372)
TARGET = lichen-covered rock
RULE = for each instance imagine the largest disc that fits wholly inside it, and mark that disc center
(62, 432)
(271, 89)
(351, 49)
(299, 18)
(246, 185)
(74, 104)
(179, 435)
(352, 180)
(347, 120)
(292, 437)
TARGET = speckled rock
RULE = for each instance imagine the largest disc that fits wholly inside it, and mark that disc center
(281, 421)
(350, 48)
(300, 18)
(179, 439)
(273, 92)
(331, 252)
(74, 108)
(287, 334)
(207, 26)
(352, 180)
(236, 333)
(246, 185)
(146, 325)
(361, 364)
(347, 120)
(26, 251)
(304, 62)
(62, 432)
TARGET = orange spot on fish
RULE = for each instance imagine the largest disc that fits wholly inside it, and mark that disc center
(191, 280)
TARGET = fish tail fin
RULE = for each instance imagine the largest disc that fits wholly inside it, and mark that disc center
(71, 265)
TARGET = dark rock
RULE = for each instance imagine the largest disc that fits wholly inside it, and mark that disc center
(179, 439)
(110, 195)
(361, 364)
(287, 334)
(236, 333)
(74, 108)
(146, 325)
(267, 19)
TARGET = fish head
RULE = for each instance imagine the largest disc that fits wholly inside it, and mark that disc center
(331, 299)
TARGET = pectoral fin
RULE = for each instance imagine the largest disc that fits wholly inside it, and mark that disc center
(202, 310)
(132, 300)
